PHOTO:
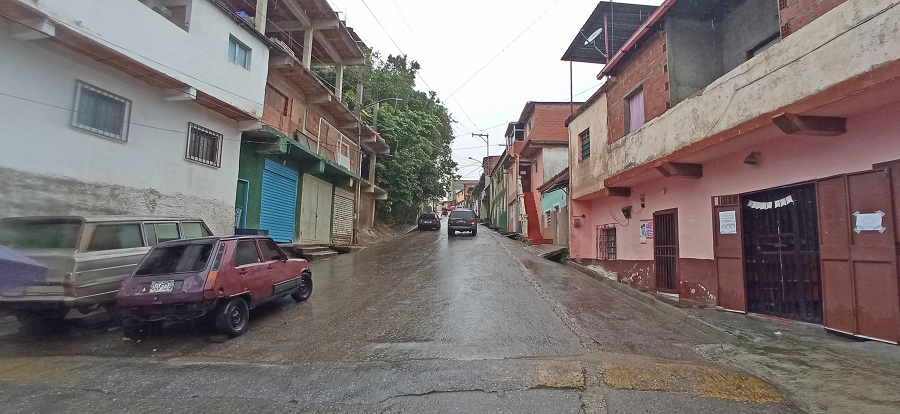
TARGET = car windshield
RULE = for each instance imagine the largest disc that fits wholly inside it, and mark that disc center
(40, 233)
(426, 216)
(177, 258)
(462, 214)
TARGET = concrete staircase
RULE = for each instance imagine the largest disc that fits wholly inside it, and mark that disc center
(309, 252)
(534, 222)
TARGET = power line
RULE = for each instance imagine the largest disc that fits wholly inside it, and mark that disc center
(504, 49)
(419, 75)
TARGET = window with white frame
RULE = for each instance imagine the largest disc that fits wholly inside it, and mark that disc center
(101, 112)
(238, 53)
(204, 145)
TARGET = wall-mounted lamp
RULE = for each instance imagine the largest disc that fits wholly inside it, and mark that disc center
(751, 159)
(642, 201)
(626, 212)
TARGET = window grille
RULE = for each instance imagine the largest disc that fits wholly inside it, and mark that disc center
(204, 146)
(606, 242)
(101, 112)
(585, 143)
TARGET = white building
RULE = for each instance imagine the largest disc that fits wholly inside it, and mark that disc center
(126, 107)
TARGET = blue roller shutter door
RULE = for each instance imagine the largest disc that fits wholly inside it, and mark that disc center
(279, 200)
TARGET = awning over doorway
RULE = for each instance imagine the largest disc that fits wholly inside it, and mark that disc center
(272, 141)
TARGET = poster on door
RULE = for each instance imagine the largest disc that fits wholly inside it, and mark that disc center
(646, 231)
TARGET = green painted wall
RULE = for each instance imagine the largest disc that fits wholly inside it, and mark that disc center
(498, 207)
(250, 168)
(548, 200)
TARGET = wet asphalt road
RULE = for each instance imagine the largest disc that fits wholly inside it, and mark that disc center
(421, 323)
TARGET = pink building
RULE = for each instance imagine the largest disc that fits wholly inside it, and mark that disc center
(745, 154)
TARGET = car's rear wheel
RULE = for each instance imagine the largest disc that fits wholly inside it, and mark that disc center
(233, 317)
(474, 232)
(305, 290)
(451, 232)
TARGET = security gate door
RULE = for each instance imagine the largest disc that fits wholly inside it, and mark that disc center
(279, 200)
(781, 253)
(665, 250)
(859, 254)
(343, 216)
(315, 210)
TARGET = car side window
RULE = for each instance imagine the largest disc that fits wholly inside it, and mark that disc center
(193, 229)
(115, 236)
(270, 250)
(245, 253)
(156, 233)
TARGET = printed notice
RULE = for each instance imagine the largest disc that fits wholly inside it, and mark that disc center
(869, 222)
(727, 222)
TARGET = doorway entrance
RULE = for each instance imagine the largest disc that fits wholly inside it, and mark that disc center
(781, 252)
(665, 250)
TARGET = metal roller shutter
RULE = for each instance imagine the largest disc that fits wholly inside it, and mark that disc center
(343, 216)
(279, 199)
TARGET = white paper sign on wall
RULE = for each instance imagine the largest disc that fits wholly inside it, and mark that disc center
(869, 222)
(727, 222)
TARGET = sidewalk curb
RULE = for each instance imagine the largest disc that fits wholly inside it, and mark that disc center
(671, 311)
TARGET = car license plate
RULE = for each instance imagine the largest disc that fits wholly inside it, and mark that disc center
(162, 286)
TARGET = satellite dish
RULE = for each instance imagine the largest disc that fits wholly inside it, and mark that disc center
(593, 36)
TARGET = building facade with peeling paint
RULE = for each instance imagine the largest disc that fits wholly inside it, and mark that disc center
(745, 154)
(126, 107)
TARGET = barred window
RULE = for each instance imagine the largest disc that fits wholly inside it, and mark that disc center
(101, 112)
(606, 242)
(585, 137)
(204, 146)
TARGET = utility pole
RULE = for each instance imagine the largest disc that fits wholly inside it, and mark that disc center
(487, 145)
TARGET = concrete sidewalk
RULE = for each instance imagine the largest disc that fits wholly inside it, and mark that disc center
(819, 371)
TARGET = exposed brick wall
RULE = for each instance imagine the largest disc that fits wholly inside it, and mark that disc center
(646, 65)
(798, 13)
(549, 122)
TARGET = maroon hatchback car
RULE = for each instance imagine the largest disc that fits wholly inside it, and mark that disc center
(214, 278)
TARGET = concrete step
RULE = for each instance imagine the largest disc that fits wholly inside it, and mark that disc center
(538, 241)
(320, 255)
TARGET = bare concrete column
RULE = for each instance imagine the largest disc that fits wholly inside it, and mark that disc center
(307, 47)
(339, 81)
(563, 225)
(551, 231)
(260, 18)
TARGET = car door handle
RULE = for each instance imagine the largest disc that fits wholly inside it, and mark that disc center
(243, 272)
(271, 267)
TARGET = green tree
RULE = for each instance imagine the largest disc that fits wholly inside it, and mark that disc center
(418, 129)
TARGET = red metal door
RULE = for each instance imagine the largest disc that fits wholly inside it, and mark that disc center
(728, 253)
(859, 255)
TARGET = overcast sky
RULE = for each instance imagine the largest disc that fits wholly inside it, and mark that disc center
(520, 42)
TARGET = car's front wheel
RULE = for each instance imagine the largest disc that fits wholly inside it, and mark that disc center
(233, 317)
(305, 290)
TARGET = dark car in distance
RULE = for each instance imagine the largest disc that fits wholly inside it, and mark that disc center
(462, 220)
(217, 279)
(429, 221)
